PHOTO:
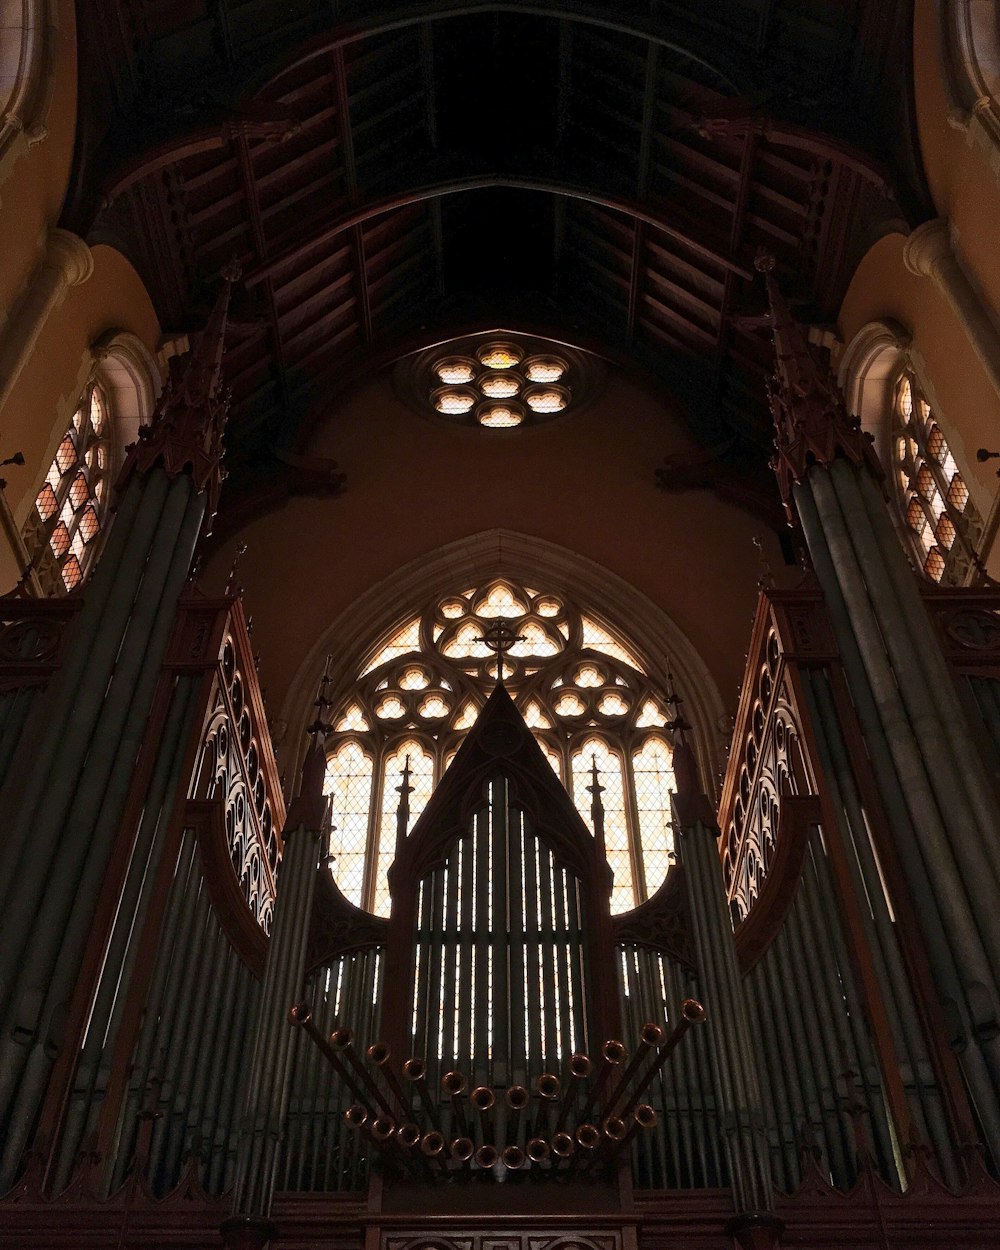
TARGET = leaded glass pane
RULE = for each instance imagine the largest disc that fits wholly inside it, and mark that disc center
(652, 769)
(349, 785)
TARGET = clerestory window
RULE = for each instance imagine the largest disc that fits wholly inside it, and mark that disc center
(63, 532)
(938, 514)
(582, 689)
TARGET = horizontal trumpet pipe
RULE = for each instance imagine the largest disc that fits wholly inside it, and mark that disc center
(651, 1037)
(432, 1148)
(453, 1084)
(563, 1147)
(301, 1015)
(538, 1149)
(513, 1158)
(579, 1069)
(380, 1056)
(516, 1098)
(613, 1054)
(692, 1012)
(342, 1042)
(462, 1149)
(486, 1157)
(415, 1071)
(588, 1138)
(547, 1088)
(643, 1119)
(613, 1130)
(408, 1137)
(483, 1100)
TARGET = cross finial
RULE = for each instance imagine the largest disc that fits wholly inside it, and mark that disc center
(677, 723)
(499, 638)
(321, 702)
(404, 790)
(231, 587)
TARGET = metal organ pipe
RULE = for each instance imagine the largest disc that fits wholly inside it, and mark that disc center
(947, 928)
(930, 666)
(483, 1100)
(734, 1069)
(53, 910)
(415, 1070)
(978, 950)
(379, 1054)
(578, 1070)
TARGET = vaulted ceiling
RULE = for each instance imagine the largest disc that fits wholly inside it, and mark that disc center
(389, 176)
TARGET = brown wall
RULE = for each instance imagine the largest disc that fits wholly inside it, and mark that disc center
(584, 482)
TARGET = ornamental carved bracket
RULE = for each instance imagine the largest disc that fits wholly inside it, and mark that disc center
(337, 927)
(662, 923)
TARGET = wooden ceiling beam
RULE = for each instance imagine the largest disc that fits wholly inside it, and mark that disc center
(326, 233)
(259, 238)
(351, 182)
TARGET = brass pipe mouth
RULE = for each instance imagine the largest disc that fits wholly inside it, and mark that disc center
(513, 1158)
(548, 1085)
(356, 1115)
(482, 1098)
(538, 1149)
(453, 1083)
(408, 1134)
(614, 1127)
(432, 1143)
(462, 1149)
(563, 1145)
(614, 1052)
(653, 1035)
(378, 1053)
(580, 1067)
(517, 1098)
(415, 1069)
(383, 1128)
(645, 1116)
(692, 1011)
(300, 1014)
(341, 1038)
(588, 1136)
(486, 1157)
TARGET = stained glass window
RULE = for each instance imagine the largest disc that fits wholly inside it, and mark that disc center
(940, 519)
(63, 533)
(498, 384)
(583, 691)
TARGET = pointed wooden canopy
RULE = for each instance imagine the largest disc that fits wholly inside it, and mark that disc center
(499, 742)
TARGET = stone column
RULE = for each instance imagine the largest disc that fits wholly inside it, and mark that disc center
(67, 262)
(928, 254)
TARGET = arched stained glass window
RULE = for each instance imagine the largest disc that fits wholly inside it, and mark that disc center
(582, 689)
(63, 532)
(940, 519)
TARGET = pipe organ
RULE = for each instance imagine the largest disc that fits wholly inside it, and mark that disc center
(500, 927)
(201, 1033)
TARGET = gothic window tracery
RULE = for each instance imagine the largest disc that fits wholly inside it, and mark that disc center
(63, 532)
(939, 517)
(582, 689)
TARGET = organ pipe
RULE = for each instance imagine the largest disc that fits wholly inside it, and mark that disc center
(269, 1080)
(734, 1071)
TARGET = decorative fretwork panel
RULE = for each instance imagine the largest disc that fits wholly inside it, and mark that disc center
(766, 765)
(236, 766)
